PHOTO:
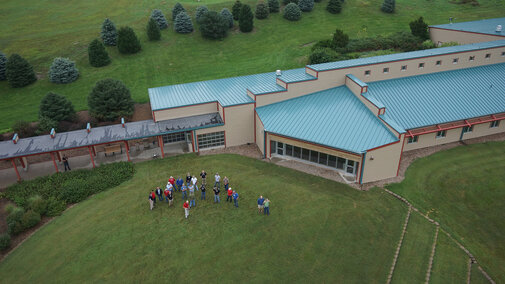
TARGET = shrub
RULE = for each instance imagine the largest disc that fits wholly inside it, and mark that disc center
(3, 63)
(74, 191)
(23, 129)
(9, 208)
(14, 221)
(321, 56)
(19, 72)
(227, 15)
(183, 24)
(109, 33)
(261, 11)
(286, 2)
(55, 207)
(292, 12)
(153, 30)
(45, 125)
(334, 6)
(127, 41)
(63, 71)
(109, 100)
(176, 10)
(97, 54)
(317, 1)
(213, 26)
(56, 107)
(419, 28)
(322, 44)
(388, 6)
(37, 204)
(340, 39)
(159, 19)
(236, 10)
(450, 43)
(200, 11)
(274, 6)
(30, 219)
(5, 241)
(428, 44)
(306, 5)
(246, 19)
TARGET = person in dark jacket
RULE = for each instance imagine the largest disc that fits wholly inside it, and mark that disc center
(216, 194)
(188, 178)
(202, 188)
(152, 199)
(203, 175)
(65, 162)
(159, 193)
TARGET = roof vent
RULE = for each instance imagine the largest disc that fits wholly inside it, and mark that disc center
(498, 28)
(53, 133)
(122, 121)
(278, 72)
(15, 138)
(88, 127)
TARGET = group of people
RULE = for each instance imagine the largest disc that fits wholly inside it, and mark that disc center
(188, 190)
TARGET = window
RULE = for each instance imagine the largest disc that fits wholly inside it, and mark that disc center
(455, 61)
(340, 163)
(323, 159)
(488, 55)
(314, 156)
(332, 161)
(413, 139)
(421, 65)
(305, 154)
(174, 137)
(404, 67)
(280, 148)
(467, 129)
(350, 166)
(208, 140)
(472, 58)
(297, 152)
(385, 70)
(503, 53)
(441, 134)
(368, 72)
(273, 146)
(289, 150)
(495, 123)
(439, 62)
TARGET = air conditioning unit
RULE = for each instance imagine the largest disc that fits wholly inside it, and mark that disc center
(278, 72)
(498, 28)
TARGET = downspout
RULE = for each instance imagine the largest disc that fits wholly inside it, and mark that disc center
(462, 132)
(362, 168)
(264, 144)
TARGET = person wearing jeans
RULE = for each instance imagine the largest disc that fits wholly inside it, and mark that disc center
(179, 183)
(226, 183)
(229, 192)
(202, 188)
(159, 193)
(217, 178)
(216, 195)
(266, 208)
(192, 201)
(203, 175)
(235, 198)
(184, 190)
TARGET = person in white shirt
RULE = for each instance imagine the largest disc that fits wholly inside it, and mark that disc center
(194, 180)
(218, 179)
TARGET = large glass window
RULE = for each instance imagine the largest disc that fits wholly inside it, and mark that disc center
(323, 159)
(305, 154)
(209, 140)
(332, 161)
(314, 156)
(297, 152)
(174, 137)
(280, 148)
(289, 150)
(340, 163)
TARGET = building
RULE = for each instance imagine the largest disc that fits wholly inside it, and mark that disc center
(356, 116)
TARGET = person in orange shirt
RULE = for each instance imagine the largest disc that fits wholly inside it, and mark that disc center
(230, 193)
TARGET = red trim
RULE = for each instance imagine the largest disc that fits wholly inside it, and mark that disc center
(91, 155)
(22, 162)
(389, 144)
(319, 145)
(401, 154)
(54, 162)
(464, 31)
(58, 154)
(358, 176)
(224, 138)
(154, 117)
(255, 122)
(16, 169)
(160, 142)
(269, 146)
(127, 151)
(397, 133)
(193, 139)
(217, 106)
(224, 117)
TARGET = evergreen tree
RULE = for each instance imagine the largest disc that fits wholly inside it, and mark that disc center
(274, 6)
(292, 12)
(153, 30)
(419, 28)
(160, 19)
(63, 71)
(3, 63)
(317, 1)
(97, 54)
(261, 11)
(109, 100)
(388, 6)
(236, 10)
(45, 125)
(183, 24)
(127, 41)
(108, 33)
(19, 72)
(214, 26)
(176, 10)
(200, 11)
(246, 19)
(56, 107)
(334, 6)
(306, 5)
(228, 16)
(286, 2)
(340, 39)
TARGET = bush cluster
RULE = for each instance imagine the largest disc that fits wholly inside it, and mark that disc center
(286, 2)
(419, 28)
(334, 6)
(200, 11)
(236, 10)
(261, 11)
(214, 25)
(388, 6)
(246, 19)
(45, 125)
(228, 16)
(153, 30)
(176, 10)
(5, 241)
(292, 12)
(109, 33)
(23, 129)
(3, 63)
(63, 71)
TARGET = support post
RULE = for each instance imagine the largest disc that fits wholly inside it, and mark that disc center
(94, 150)
(16, 169)
(91, 155)
(22, 162)
(58, 154)
(160, 142)
(127, 151)
(54, 162)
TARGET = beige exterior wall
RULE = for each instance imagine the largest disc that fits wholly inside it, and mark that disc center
(260, 134)
(185, 111)
(483, 129)
(356, 90)
(384, 164)
(220, 110)
(442, 35)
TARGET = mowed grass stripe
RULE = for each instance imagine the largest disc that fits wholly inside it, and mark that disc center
(450, 264)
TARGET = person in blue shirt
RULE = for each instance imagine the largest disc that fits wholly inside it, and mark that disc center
(260, 204)
(179, 182)
(184, 190)
(235, 198)
(192, 201)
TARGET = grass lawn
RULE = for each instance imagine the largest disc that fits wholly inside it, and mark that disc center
(41, 30)
(450, 263)
(462, 188)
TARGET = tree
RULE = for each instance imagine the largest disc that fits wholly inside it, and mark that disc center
(19, 72)
(334, 6)
(306, 5)
(153, 30)
(3, 63)
(320, 56)
(97, 54)
(56, 107)
(159, 18)
(108, 33)
(176, 10)
(274, 6)
(228, 16)
(388, 6)
(340, 39)
(236, 10)
(110, 100)
(45, 125)
(63, 71)
(214, 26)
(286, 2)
(183, 24)
(127, 41)
(419, 28)
(292, 12)
(200, 11)
(246, 19)
(261, 11)
(317, 1)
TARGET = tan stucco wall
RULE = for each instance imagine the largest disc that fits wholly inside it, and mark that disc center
(356, 90)
(428, 140)
(260, 138)
(442, 35)
(384, 164)
(483, 129)
(185, 111)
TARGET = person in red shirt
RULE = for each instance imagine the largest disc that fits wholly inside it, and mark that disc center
(230, 193)
(152, 199)
(171, 180)
(186, 208)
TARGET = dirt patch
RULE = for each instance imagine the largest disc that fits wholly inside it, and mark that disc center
(142, 112)
(250, 150)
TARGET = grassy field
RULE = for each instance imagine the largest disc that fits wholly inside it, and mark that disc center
(450, 263)
(40, 30)
(462, 188)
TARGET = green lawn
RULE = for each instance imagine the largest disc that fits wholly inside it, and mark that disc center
(40, 30)
(463, 189)
(450, 263)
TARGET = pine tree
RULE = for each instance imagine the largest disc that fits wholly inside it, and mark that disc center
(334, 6)
(340, 39)
(274, 6)
(183, 24)
(97, 54)
(200, 11)
(19, 72)
(286, 2)
(419, 28)
(292, 12)
(153, 30)
(214, 26)
(388, 6)
(176, 10)
(127, 41)
(108, 33)
(246, 19)
(261, 11)
(3, 63)
(236, 10)
(160, 19)
(306, 5)
(228, 16)
(63, 71)
(56, 107)
(45, 125)
(109, 100)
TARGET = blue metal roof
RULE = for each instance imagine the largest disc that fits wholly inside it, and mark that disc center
(487, 26)
(333, 117)
(442, 97)
(405, 55)
(296, 75)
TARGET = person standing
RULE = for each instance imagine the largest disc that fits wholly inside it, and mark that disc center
(194, 181)
(171, 180)
(235, 198)
(203, 175)
(179, 183)
(170, 186)
(166, 192)
(65, 162)
(230, 193)
(159, 193)
(169, 196)
(152, 199)
(226, 183)
(261, 200)
(186, 208)
(217, 178)
(202, 188)
(184, 189)
(266, 210)
(192, 201)
(216, 194)
(188, 178)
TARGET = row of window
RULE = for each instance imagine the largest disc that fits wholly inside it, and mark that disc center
(385, 70)
(442, 133)
(208, 140)
(174, 137)
(316, 157)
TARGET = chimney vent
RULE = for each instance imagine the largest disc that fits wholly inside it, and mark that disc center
(278, 72)
(15, 138)
(122, 121)
(498, 28)
(88, 127)
(53, 133)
